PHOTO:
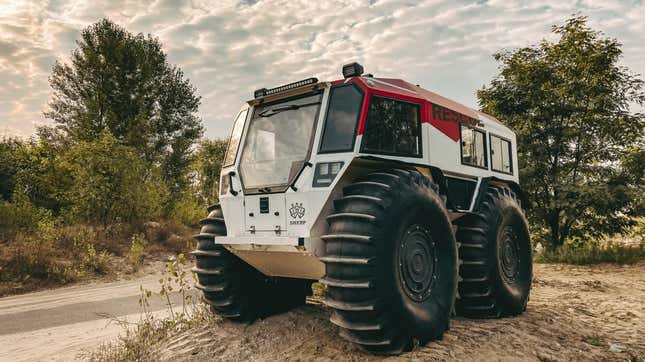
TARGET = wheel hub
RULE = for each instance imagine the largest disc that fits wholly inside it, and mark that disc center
(509, 254)
(417, 262)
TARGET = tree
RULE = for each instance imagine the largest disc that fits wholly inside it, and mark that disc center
(122, 83)
(579, 144)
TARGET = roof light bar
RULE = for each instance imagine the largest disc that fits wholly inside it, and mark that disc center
(301, 83)
(352, 70)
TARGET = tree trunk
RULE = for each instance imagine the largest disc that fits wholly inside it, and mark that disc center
(554, 225)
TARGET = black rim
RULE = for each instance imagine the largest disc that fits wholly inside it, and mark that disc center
(509, 254)
(417, 262)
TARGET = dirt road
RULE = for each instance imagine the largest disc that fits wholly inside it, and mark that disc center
(574, 314)
(56, 325)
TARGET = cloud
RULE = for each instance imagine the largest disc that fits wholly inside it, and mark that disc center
(229, 48)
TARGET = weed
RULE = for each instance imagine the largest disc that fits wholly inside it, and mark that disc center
(137, 343)
(594, 340)
(94, 262)
(136, 253)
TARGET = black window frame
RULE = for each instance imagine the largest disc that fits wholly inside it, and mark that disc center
(397, 154)
(510, 153)
(358, 119)
(461, 146)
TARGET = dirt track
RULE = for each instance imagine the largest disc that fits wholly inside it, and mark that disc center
(574, 314)
(57, 324)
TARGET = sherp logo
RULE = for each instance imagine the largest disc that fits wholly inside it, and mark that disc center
(297, 211)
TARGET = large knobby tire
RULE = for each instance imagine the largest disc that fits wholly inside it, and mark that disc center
(234, 289)
(391, 262)
(495, 251)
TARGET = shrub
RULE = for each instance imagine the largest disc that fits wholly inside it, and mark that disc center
(187, 210)
(18, 216)
(111, 183)
(94, 262)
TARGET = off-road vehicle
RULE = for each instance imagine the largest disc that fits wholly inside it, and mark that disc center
(403, 203)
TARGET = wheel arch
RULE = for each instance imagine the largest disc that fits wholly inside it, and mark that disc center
(492, 180)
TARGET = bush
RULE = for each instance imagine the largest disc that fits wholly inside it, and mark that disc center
(20, 216)
(187, 210)
(111, 184)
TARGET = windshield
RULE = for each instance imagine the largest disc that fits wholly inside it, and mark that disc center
(278, 142)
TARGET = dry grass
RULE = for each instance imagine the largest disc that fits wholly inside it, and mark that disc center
(50, 254)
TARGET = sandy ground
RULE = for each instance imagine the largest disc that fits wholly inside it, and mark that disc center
(58, 324)
(574, 314)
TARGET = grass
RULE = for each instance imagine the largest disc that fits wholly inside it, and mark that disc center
(619, 249)
(611, 252)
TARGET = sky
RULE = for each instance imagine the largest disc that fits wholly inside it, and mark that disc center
(229, 48)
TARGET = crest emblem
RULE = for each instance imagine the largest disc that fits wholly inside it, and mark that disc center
(297, 211)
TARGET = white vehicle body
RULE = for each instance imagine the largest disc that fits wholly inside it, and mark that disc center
(279, 233)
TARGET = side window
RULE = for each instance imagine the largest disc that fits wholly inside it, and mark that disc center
(473, 147)
(342, 119)
(393, 127)
(500, 155)
(234, 140)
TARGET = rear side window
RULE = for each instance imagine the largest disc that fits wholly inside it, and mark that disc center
(500, 155)
(473, 147)
(342, 119)
(393, 128)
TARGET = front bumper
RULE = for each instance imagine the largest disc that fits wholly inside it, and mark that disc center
(260, 240)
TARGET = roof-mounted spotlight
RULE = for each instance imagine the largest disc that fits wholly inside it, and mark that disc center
(352, 70)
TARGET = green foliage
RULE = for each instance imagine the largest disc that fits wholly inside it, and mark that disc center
(206, 169)
(186, 209)
(110, 183)
(10, 150)
(580, 147)
(20, 216)
(122, 83)
(41, 178)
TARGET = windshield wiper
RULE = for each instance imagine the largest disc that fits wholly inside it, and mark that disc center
(289, 107)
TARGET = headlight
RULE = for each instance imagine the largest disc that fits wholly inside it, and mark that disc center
(326, 172)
